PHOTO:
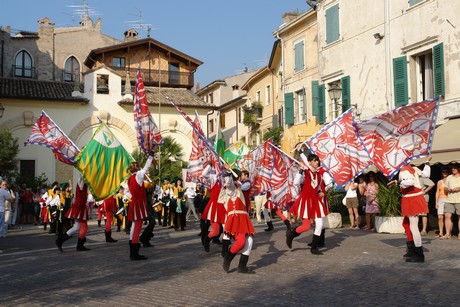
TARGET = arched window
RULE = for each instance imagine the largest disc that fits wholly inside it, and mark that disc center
(23, 65)
(71, 70)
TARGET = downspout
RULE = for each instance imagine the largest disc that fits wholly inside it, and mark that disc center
(282, 72)
(54, 56)
(3, 49)
(388, 54)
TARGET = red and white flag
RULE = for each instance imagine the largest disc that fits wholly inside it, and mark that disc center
(259, 164)
(46, 133)
(340, 150)
(395, 138)
(283, 190)
(147, 132)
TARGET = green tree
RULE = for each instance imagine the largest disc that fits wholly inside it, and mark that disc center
(168, 161)
(275, 134)
(9, 150)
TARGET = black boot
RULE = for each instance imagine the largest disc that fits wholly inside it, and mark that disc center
(314, 245)
(108, 237)
(134, 251)
(60, 240)
(80, 247)
(410, 249)
(225, 247)
(227, 260)
(98, 223)
(290, 236)
(270, 226)
(44, 226)
(216, 240)
(418, 256)
(243, 265)
(322, 238)
(206, 243)
(288, 225)
(146, 235)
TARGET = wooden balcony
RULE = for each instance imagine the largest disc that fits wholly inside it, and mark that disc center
(157, 77)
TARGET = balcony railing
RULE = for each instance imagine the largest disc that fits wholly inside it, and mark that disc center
(154, 77)
(23, 72)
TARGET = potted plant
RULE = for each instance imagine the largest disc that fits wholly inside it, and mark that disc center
(389, 219)
(336, 208)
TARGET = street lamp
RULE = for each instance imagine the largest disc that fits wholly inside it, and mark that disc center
(335, 92)
(2, 109)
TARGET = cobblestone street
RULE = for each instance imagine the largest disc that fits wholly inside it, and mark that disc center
(358, 268)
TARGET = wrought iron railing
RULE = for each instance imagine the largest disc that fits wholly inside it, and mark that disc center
(155, 77)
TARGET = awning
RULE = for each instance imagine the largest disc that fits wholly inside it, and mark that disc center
(446, 144)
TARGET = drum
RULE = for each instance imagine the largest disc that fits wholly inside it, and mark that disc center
(157, 207)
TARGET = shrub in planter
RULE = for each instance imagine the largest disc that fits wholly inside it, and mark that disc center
(389, 219)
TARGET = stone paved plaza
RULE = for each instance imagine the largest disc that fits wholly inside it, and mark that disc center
(358, 268)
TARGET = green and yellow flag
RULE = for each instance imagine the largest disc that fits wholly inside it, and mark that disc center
(235, 152)
(103, 163)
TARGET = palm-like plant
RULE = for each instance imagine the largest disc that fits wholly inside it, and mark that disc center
(389, 200)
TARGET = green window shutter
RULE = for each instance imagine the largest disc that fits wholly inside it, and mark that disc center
(400, 81)
(289, 108)
(321, 104)
(414, 2)
(299, 56)
(332, 24)
(346, 93)
(438, 70)
(314, 98)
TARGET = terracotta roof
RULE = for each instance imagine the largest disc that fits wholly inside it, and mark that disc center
(21, 88)
(181, 96)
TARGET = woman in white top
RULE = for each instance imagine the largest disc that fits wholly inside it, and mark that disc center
(352, 203)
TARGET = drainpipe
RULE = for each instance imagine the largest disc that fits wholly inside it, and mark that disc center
(3, 49)
(282, 70)
(388, 54)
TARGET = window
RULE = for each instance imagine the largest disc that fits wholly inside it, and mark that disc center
(173, 73)
(334, 106)
(301, 106)
(240, 115)
(414, 2)
(102, 84)
(401, 94)
(222, 120)
(299, 63)
(211, 98)
(332, 24)
(428, 73)
(23, 65)
(258, 96)
(27, 169)
(119, 62)
(289, 108)
(211, 126)
(71, 69)
(267, 95)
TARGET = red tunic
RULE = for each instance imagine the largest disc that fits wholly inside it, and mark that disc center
(110, 205)
(413, 200)
(138, 207)
(309, 204)
(238, 221)
(79, 209)
(214, 211)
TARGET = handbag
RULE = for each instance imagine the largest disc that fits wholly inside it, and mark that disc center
(344, 201)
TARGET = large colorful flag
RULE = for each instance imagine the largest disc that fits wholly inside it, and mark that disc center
(103, 163)
(235, 152)
(148, 134)
(340, 150)
(283, 190)
(395, 138)
(200, 157)
(46, 133)
(203, 153)
(259, 164)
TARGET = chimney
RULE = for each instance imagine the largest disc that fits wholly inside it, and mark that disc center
(290, 16)
(197, 87)
(130, 35)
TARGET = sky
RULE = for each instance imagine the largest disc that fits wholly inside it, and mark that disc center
(225, 35)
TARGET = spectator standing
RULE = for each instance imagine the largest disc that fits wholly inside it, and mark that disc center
(4, 196)
(352, 203)
(452, 204)
(372, 204)
(441, 196)
(190, 195)
(427, 185)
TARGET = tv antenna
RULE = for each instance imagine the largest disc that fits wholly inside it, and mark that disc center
(83, 10)
(139, 23)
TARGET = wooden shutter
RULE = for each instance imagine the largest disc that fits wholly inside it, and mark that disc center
(438, 70)
(332, 24)
(314, 98)
(321, 104)
(400, 81)
(299, 56)
(346, 98)
(289, 108)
